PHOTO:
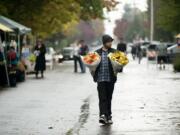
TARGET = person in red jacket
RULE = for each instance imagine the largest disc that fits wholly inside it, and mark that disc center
(12, 60)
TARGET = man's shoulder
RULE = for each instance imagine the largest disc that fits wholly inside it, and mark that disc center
(112, 50)
(99, 50)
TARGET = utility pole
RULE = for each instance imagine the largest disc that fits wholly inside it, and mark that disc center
(152, 21)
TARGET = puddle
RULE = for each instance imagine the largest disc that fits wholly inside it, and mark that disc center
(83, 117)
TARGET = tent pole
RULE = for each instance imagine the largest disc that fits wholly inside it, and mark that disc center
(19, 48)
(5, 64)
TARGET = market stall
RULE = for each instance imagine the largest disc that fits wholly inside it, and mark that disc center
(3, 63)
(18, 28)
(11, 32)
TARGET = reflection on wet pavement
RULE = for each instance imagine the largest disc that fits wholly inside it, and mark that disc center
(82, 118)
(105, 130)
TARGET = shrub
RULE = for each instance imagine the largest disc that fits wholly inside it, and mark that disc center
(176, 63)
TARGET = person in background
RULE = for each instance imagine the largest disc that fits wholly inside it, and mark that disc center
(82, 52)
(12, 60)
(139, 52)
(12, 57)
(123, 48)
(40, 51)
(77, 58)
(13, 44)
(133, 52)
(105, 78)
(25, 51)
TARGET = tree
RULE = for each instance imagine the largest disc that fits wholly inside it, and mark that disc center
(133, 24)
(121, 28)
(43, 16)
(47, 17)
(169, 14)
(166, 19)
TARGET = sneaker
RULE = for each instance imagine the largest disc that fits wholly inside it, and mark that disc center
(109, 121)
(103, 119)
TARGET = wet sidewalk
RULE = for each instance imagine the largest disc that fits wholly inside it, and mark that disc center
(146, 102)
(48, 106)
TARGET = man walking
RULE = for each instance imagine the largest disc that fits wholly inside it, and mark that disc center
(105, 78)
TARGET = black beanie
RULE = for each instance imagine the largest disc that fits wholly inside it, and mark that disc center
(106, 39)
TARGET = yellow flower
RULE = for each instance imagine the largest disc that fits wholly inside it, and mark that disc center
(119, 57)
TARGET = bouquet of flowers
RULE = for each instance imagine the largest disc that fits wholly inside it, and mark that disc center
(91, 60)
(118, 60)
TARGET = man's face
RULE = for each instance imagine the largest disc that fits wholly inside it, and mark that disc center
(108, 45)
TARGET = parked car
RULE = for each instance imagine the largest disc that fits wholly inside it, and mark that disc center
(58, 57)
(158, 51)
(68, 53)
(152, 51)
(173, 51)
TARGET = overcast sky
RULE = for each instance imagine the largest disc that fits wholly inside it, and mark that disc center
(117, 14)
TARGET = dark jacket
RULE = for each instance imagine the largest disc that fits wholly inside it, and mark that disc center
(40, 60)
(83, 50)
(12, 58)
(122, 47)
(112, 75)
